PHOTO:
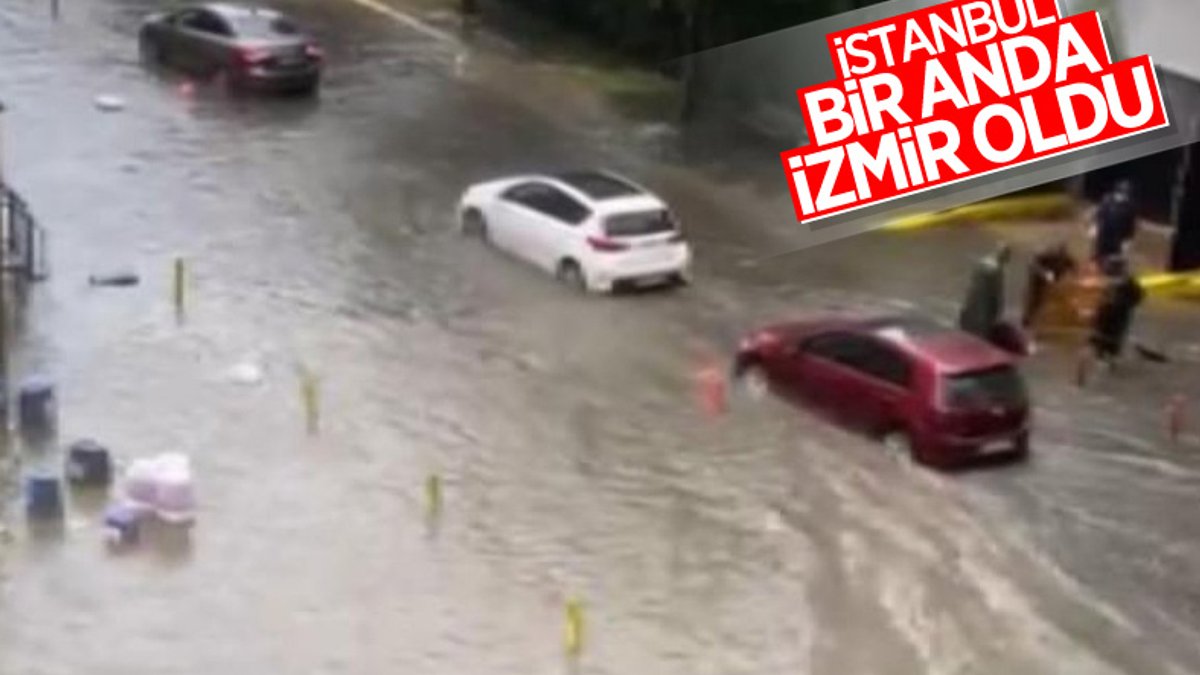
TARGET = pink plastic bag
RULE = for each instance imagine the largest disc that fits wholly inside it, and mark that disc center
(163, 484)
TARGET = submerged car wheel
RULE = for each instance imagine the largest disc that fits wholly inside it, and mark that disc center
(899, 445)
(229, 82)
(150, 52)
(571, 274)
(753, 382)
(474, 224)
(222, 80)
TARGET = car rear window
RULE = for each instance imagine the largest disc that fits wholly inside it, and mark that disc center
(984, 388)
(639, 223)
(263, 26)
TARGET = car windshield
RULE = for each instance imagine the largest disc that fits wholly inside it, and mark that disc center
(639, 223)
(260, 26)
(1001, 386)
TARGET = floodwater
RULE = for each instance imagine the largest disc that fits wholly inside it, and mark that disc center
(574, 459)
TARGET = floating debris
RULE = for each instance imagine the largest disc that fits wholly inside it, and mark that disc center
(163, 485)
(89, 463)
(122, 524)
(109, 103)
(773, 522)
(43, 497)
(115, 279)
(248, 372)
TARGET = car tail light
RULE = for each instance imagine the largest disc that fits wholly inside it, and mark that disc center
(252, 56)
(759, 340)
(606, 245)
(314, 52)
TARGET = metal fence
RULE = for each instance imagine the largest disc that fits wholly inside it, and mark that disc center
(24, 241)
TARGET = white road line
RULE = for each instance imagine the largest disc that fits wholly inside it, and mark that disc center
(408, 20)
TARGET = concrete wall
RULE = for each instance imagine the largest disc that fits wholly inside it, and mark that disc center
(1164, 29)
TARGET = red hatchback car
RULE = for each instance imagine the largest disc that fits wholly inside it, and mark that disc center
(946, 396)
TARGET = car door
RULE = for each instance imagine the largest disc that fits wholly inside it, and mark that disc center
(876, 384)
(510, 220)
(816, 370)
(202, 42)
(172, 41)
(537, 221)
(559, 229)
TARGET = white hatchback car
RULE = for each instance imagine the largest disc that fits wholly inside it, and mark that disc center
(593, 230)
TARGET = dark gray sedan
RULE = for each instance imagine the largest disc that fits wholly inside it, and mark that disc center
(248, 47)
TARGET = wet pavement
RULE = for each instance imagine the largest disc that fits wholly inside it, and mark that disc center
(575, 461)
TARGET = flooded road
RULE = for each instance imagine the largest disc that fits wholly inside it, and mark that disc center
(574, 459)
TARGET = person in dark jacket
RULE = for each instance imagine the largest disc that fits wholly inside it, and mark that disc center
(983, 308)
(1115, 223)
(1122, 296)
(1049, 266)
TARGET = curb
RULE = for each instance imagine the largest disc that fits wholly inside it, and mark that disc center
(1179, 284)
(1008, 208)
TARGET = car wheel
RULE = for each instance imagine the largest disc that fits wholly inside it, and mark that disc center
(150, 52)
(474, 225)
(227, 81)
(754, 383)
(571, 274)
(899, 445)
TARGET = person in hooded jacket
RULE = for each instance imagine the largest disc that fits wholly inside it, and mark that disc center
(982, 313)
(1122, 296)
(1115, 223)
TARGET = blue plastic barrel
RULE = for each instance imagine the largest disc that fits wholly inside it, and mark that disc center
(43, 497)
(89, 463)
(35, 404)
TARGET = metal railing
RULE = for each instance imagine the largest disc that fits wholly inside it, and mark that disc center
(24, 241)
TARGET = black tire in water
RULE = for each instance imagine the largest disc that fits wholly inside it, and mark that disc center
(753, 382)
(899, 444)
(474, 225)
(150, 52)
(571, 274)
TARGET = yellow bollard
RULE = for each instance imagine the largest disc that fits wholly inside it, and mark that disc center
(178, 292)
(573, 638)
(310, 394)
(433, 495)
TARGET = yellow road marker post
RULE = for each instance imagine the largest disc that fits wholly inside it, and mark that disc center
(433, 495)
(179, 288)
(310, 396)
(573, 637)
